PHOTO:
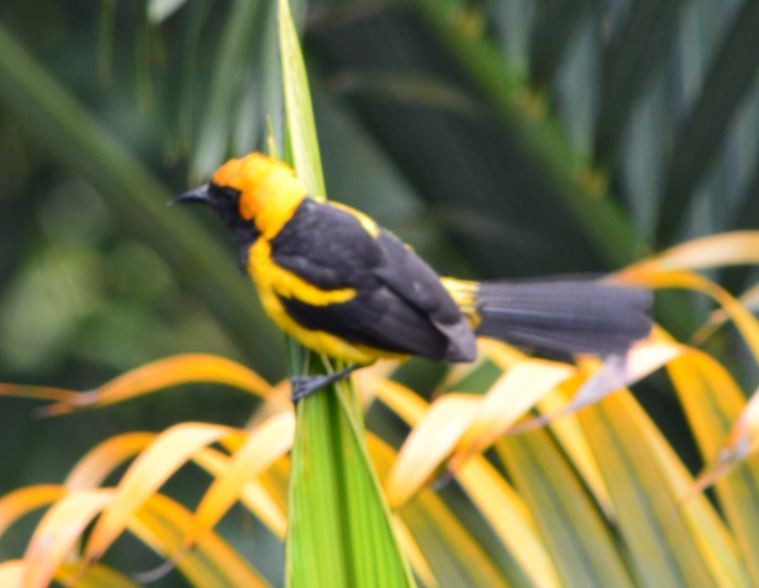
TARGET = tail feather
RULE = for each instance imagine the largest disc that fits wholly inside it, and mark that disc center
(564, 317)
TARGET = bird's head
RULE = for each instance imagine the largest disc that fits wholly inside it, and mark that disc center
(254, 192)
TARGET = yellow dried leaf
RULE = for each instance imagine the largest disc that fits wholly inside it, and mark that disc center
(402, 401)
(744, 438)
(509, 517)
(503, 509)
(254, 495)
(161, 524)
(101, 460)
(742, 442)
(428, 444)
(746, 323)
(84, 575)
(163, 373)
(706, 526)
(749, 299)
(268, 442)
(147, 473)
(510, 397)
(38, 392)
(733, 248)
(414, 553)
(500, 353)
(16, 504)
(569, 433)
(12, 573)
(58, 531)
(442, 536)
(643, 359)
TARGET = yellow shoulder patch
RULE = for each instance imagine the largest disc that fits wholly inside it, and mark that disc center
(366, 221)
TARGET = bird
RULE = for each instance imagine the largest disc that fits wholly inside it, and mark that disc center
(341, 285)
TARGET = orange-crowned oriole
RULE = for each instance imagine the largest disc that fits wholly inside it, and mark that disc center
(343, 286)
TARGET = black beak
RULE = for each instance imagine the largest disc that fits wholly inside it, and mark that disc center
(199, 194)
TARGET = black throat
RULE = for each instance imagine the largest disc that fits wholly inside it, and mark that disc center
(225, 203)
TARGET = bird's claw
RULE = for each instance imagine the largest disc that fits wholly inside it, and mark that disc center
(305, 385)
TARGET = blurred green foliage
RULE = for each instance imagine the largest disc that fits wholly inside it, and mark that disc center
(501, 138)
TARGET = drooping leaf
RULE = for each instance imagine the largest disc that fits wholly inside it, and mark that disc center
(515, 392)
(146, 474)
(662, 545)
(94, 467)
(16, 504)
(737, 247)
(429, 444)
(266, 504)
(581, 545)
(58, 531)
(97, 575)
(501, 507)
(452, 553)
(163, 373)
(604, 378)
(38, 392)
(713, 403)
(12, 573)
(266, 443)
(162, 524)
(747, 323)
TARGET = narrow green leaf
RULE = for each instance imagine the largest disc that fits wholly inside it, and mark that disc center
(631, 61)
(262, 101)
(579, 187)
(316, 541)
(106, 27)
(409, 89)
(747, 216)
(96, 576)
(160, 10)
(162, 523)
(180, 141)
(452, 552)
(731, 76)
(340, 532)
(664, 549)
(554, 28)
(712, 403)
(575, 533)
(232, 58)
(300, 115)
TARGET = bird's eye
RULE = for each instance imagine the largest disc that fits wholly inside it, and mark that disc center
(225, 201)
(224, 193)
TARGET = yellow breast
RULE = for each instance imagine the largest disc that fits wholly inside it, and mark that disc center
(273, 282)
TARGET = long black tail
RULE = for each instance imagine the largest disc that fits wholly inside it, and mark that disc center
(564, 317)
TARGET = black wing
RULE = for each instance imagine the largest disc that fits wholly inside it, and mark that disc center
(400, 305)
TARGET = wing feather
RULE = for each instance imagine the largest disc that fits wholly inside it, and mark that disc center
(400, 304)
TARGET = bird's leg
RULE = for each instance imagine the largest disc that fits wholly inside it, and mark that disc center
(303, 386)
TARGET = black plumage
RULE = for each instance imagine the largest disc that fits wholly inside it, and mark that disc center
(400, 304)
(561, 317)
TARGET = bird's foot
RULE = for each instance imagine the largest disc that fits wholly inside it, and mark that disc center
(303, 386)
